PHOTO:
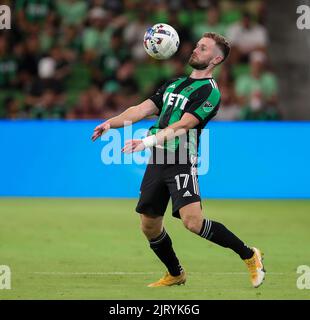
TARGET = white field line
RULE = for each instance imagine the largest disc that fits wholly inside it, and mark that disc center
(93, 273)
(116, 273)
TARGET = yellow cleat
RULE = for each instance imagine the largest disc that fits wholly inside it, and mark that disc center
(169, 280)
(256, 268)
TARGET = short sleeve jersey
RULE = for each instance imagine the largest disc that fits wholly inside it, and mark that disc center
(199, 97)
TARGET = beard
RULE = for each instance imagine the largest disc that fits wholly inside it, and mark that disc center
(196, 64)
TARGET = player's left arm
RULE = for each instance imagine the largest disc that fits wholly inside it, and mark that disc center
(197, 113)
(187, 122)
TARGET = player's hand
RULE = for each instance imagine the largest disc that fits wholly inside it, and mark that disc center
(133, 146)
(100, 130)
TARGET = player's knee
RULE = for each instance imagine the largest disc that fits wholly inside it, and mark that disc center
(145, 228)
(149, 229)
(192, 224)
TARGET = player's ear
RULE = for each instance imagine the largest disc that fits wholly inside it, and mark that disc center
(217, 60)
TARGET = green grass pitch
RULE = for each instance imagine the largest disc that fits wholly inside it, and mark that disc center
(94, 249)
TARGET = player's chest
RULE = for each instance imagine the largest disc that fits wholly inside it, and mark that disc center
(177, 99)
(174, 100)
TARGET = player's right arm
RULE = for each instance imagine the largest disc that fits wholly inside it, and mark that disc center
(129, 116)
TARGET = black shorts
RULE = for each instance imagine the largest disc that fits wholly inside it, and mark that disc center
(162, 181)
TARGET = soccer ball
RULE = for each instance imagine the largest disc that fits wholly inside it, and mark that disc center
(161, 41)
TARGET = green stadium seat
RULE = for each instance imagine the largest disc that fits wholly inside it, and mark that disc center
(72, 98)
(185, 18)
(148, 74)
(159, 17)
(188, 69)
(231, 16)
(240, 69)
(79, 78)
(199, 16)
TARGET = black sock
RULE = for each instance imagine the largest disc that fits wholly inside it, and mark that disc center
(219, 234)
(162, 246)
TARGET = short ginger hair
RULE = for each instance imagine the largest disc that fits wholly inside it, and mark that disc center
(221, 43)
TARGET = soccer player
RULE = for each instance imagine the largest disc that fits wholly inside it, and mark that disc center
(182, 105)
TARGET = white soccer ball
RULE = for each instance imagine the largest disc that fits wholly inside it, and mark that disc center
(161, 41)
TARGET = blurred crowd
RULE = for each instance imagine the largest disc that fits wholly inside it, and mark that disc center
(79, 59)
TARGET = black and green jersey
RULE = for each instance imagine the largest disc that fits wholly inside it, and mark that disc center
(35, 10)
(8, 70)
(199, 97)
